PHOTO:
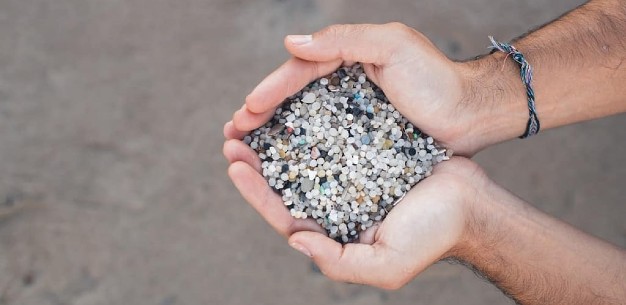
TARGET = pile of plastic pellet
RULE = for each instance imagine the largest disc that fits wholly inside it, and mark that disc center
(340, 153)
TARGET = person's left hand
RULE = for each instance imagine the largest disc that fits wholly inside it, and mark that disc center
(462, 105)
(426, 226)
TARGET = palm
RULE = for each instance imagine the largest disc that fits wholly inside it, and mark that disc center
(426, 91)
(417, 232)
(427, 223)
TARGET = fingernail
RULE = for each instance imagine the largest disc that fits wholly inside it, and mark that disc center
(300, 39)
(302, 249)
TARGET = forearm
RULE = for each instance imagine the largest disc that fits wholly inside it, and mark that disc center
(540, 260)
(579, 73)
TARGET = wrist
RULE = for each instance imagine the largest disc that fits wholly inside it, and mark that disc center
(479, 196)
(492, 86)
(486, 215)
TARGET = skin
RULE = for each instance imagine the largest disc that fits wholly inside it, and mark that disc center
(458, 213)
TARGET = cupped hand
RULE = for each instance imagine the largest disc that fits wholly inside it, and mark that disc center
(429, 224)
(424, 85)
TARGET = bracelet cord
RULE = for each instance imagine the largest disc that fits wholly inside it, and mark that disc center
(526, 72)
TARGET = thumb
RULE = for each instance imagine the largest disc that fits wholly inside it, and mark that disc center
(366, 43)
(355, 263)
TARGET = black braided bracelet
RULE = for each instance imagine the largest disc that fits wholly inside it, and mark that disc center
(526, 72)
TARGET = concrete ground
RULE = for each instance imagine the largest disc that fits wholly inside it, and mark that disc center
(112, 182)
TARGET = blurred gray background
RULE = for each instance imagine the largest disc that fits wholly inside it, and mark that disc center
(113, 188)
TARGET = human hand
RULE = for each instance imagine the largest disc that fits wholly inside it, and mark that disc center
(427, 225)
(433, 92)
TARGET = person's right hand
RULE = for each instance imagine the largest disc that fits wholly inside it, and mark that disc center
(436, 94)
(435, 220)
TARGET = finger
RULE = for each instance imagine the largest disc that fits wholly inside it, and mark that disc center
(366, 43)
(266, 202)
(245, 121)
(372, 73)
(369, 236)
(235, 150)
(354, 263)
(230, 132)
(286, 81)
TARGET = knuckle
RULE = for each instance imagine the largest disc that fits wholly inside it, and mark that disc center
(332, 31)
(335, 34)
(398, 26)
(355, 29)
(342, 31)
(404, 31)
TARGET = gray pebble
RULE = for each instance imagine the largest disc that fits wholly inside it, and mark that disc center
(307, 185)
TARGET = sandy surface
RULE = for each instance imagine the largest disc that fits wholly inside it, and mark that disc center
(113, 186)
